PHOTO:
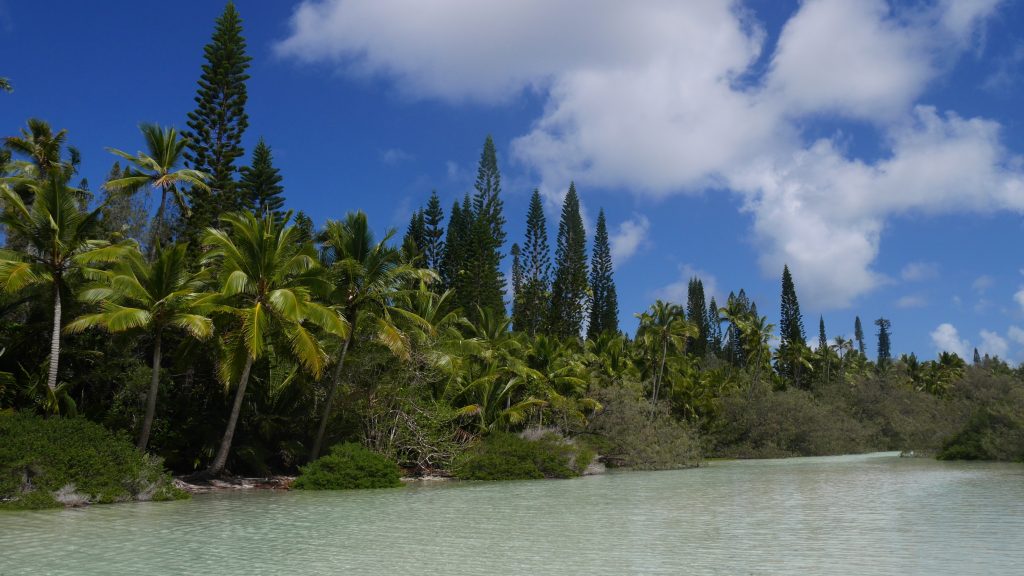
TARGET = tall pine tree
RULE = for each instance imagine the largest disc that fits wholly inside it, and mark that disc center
(569, 289)
(604, 302)
(714, 328)
(822, 338)
(517, 287)
(260, 187)
(791, 331)
(453, 258)
(433, 219)
(884, 343)
(484, 284)
(696, 313)
(218, 122)
(858, 335)
(536, 256)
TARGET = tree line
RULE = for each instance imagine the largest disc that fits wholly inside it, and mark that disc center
(226, 332)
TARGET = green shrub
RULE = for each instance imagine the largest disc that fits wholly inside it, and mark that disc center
(995, 433)
(503, 456)
(629, 433)
(348, 466)
(42, 459)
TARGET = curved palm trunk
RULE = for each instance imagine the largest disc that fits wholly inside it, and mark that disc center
(335, 381)
(51, 379)
(154, 388)
(217, 466)
(661, 372)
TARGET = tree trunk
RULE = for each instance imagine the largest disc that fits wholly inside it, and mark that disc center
(661, 373)
(335, 381)
(51, 379)
(154, 389)
(158, 224)
(225, 444)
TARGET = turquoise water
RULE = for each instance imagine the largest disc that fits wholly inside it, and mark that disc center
(867, 514)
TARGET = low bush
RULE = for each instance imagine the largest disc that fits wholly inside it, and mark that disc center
(503, 456)
(348, 466)
(992, 433)
(630, 433)
(49, 462)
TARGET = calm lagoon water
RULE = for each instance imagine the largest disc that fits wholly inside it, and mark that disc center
(865, 514)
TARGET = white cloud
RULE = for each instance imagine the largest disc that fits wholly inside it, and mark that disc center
(678, 291)
(394, 156)
(982, 283)
(662, 97)
(993, 344)
(919, 271)
(630, 236)
(1016, 334)
(947, 339)
(1019, 297)
(911, 301)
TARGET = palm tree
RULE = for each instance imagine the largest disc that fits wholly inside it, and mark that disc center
(842, 347)
(268, 279)
(150, 296)
(5, 85)
(158, 167)
(367, 275)
(60, 242)
(664, 328)
(43, 148)
(757, 335)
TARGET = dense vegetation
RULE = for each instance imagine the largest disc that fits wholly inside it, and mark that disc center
(348, 466)
(228, 335)
(51, 462)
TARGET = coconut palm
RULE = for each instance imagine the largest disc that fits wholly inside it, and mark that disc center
(136, 295)
(60, 241)
(5, 85)
(367, 275)
(44, 149)
(159, 168)
(268, 280)
(663, 329)
(842, 347)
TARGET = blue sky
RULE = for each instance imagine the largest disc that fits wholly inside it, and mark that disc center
(876, 147)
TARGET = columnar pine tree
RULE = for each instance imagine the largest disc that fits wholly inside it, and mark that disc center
(433, 218)
(695, 311)
(484, 285)
(536, 270)
(414, 241)
(218, 122)
(517, 287)
(884, 345)
(260, 187)
(822, 338)
(858, 335)
(453, 258)
(791, 330)
(569, 289)
(604, 302)
(714, 328)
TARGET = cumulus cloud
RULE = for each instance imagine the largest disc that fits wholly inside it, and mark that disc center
(1018, 297)
(946, 338)
(993, 344)
(1016, 334)
(919, 271)
(664, 97)
(629, 237)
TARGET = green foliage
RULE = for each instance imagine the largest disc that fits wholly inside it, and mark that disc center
(218, 122)
(569, 288)
(482, 286)
(884, 347)
(992, 433)
(41, 456)
(260, 187)
(630, 432)
(531, 303)
(349, 466)
(503, 456)
(792, 338)
(695, 312)
(604, 302)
